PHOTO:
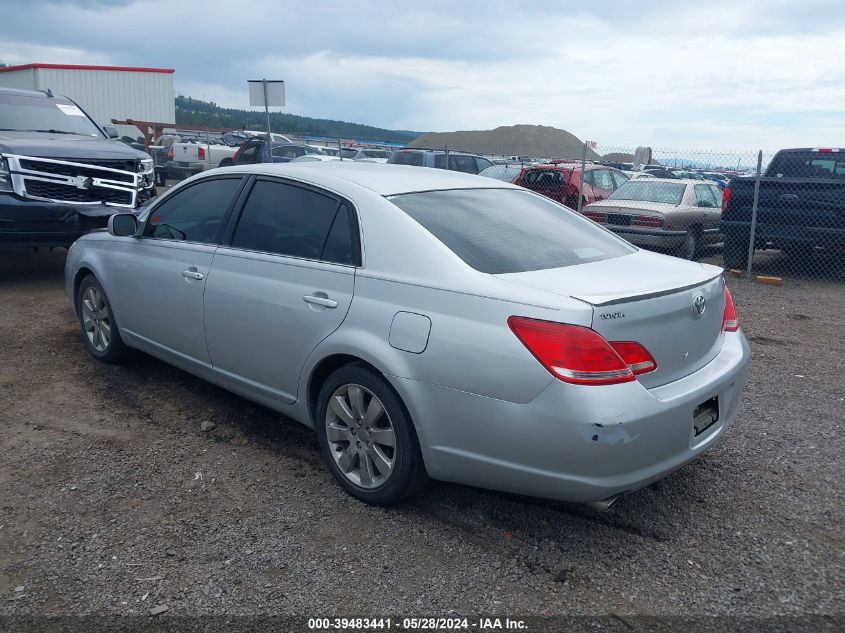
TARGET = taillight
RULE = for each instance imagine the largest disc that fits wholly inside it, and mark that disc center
(595, 216)
(635, 356)
(170, 154)
(200, 153)
(647, 220)
(580, 355)
(730, 323)
(726, 197)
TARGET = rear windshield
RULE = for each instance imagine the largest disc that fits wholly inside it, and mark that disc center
(509, 231)
(406, 158)
(807, 165)
(650, 191)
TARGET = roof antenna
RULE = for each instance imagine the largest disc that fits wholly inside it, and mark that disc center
(49, 93)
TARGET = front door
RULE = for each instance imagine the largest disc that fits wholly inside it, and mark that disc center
(163, 274)
(282, 285)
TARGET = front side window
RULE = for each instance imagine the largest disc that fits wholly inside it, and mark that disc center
(406, 158)
(510, 230)
(287, 220)
(194, 213)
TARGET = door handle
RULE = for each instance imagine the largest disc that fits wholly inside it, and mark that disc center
(320, 301)
(192, 274)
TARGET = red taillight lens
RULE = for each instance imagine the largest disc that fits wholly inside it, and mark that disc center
(595, 216)
(730, 323)
(572, 353)
(726, 197)
(635, 356)
(647, 220)
(170, 154)
(200, 153)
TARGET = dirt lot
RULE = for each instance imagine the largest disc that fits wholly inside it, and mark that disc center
(115, 501)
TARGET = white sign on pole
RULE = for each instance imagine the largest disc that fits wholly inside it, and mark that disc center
(275, 91)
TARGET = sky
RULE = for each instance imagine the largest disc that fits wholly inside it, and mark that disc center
(731, 75)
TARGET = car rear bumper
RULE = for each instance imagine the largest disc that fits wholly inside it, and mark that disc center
(572, 442)
(785, 235)
(29, 223)
(651, 238)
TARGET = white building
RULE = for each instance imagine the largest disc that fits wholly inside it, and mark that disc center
(104, 92)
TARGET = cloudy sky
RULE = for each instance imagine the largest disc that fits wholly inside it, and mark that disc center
(720, 75)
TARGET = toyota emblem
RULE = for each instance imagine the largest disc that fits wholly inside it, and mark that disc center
(699, 304)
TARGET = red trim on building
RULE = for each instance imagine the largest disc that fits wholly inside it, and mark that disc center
(131, 69)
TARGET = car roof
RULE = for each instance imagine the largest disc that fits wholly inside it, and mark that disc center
(38, 94)
(382, 178)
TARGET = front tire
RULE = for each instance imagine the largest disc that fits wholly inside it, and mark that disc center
(99, 327)
(367, 437)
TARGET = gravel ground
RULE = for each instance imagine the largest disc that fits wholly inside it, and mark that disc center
(115, 501)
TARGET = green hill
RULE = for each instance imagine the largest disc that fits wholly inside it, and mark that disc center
(190, 111)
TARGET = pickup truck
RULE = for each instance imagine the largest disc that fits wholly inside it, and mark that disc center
(60, 173)
(192, 156)
(801, 205)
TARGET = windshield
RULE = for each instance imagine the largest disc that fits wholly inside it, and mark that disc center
(508, 173)
(510, 230)
(650, 191)
(43, 114)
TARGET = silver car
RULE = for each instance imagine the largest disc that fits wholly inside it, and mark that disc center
(425, 323)
(680, 216)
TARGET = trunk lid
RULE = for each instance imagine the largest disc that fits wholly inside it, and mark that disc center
(647, 298)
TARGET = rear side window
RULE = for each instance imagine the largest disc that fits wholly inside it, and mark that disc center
(457, 162)
(807, 164)
(286, 220)
(194, 213)
(406, 158)
(509, 231)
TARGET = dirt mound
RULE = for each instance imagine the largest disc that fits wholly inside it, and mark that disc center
(520, 140)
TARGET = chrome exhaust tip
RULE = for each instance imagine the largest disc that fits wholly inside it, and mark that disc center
(604, 504)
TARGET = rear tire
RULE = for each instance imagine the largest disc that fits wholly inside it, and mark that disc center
(691, 245)
(367, 438)
(99, 326)
(735, 253)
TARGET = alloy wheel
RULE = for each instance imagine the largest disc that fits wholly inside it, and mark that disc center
(96, 319)
(361, 437)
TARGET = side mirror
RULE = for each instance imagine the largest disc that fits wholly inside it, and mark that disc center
(123, 225)
(110, 131)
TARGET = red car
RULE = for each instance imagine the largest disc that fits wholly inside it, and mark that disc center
(559, 181)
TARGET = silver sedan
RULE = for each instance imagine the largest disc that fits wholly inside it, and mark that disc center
(425, 323)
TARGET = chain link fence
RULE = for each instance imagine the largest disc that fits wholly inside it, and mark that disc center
(778, 214)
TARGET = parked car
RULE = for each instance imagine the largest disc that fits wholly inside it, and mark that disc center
(680, 216)
(363, 300)
(458, 161)
(660, 172)
(801, 205)
(314, 158)
(507, 173)
(192, 155)
(361, 153)
(253, 152)
(560, 181)
(274, 137)
(61, 174)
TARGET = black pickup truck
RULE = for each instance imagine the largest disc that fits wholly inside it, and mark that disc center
(60, 173)
(801, 205)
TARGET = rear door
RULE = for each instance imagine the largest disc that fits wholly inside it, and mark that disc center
(603, 184)
(164, 272)
(280, 284)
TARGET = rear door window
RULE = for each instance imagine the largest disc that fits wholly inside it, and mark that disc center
(704, 196)
(510, 230)
(284, 219)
